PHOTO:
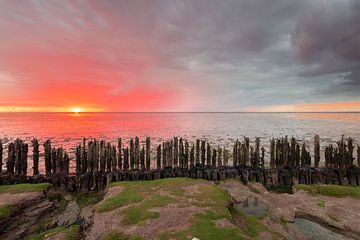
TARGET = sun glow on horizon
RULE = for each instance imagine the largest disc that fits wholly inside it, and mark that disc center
(76, 110)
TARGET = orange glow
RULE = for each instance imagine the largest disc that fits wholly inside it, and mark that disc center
(76, 110)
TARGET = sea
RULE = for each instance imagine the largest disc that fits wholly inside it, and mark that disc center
(68, 129)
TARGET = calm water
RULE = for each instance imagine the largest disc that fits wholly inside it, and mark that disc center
(67, 129)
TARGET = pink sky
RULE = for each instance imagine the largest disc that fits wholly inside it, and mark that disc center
(179, 56)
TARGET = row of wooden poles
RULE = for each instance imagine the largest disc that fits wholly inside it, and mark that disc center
(94, 155)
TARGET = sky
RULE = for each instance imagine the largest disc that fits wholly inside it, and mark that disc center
(188, 55)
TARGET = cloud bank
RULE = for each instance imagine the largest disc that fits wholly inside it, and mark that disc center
(205, 55)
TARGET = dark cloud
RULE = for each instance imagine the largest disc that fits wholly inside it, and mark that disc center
(327, 40)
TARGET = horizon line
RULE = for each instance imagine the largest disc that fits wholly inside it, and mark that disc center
(183, 112)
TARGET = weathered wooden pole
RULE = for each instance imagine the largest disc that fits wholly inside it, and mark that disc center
(186, 158)
(316, 151)
(53, 160)
(78, 158)
(181, 153)
(24, 155)
(11, 159)
(90, 155)
(208, 156)
(137, 152)
(297, 155)
(272, 153)
(219, 162)
(102, 156)
(176, 152)
(66, 162)
(126, 158)
(226, 157)
(257, 152)
(358, 156)
(120, 161)
(235, 153)
(17, 157)
(192, 156)
(247, 145)
(203, 151)
(1, 155)
(148, 153)
(197, 159)
(132, 154)
(350, 152)
(35, 145)
(213, 158)
(113, 158)
(47, 147)
(96, 156)
(142, 158)
(84, 157)
(158, 157)
(262, 157)
(108, 156)
(164, 155)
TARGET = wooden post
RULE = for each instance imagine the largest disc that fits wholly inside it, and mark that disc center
(285, 148)
(219, 162)
(142, 158)
(35, 145)
(66, 163)
(272, 153)
(126, 158)
(176, 152)
(96, 155)
(108, 157)
(262, 157)
(297, 154)
(208, 156)
(186, 159)
(350, 152)
(247, 145)
(17, 157)
(113, 158)
(90, 155)
(213, 159)
(226, 157)
(84, 157)
(203, 150)
(358, 156)
(1, 155)
(235, 153)
(78, 158)
(24, 155)
(102, 155)
(120, 162)
(137, 152)
(11, 159)
(317, 150)
(292, 152)
(47, 147)
(192, 156)
(148, 154)
(181, 153)
(132, 154)
(158, 157)
(164, 155)
(257, 152)
(53, 160)
(197, 159)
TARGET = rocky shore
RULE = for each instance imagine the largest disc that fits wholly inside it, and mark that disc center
(180, 208)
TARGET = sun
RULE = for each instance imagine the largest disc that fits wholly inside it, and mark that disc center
(76, 110)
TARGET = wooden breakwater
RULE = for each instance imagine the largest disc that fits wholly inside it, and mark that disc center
(99, 162)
